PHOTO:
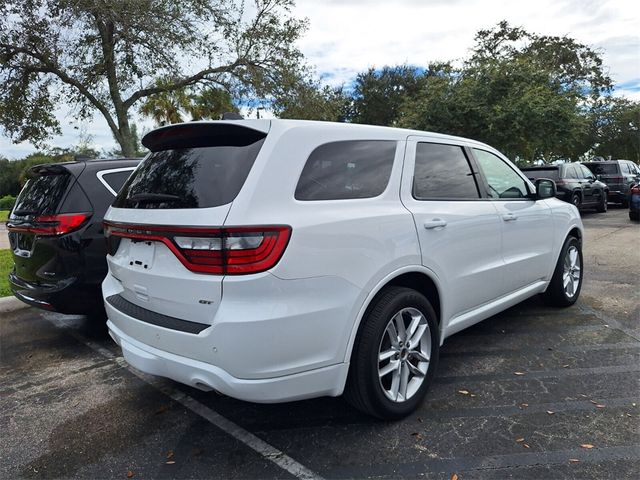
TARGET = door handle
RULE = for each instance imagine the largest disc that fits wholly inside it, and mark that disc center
(509, 217)
(435, 223)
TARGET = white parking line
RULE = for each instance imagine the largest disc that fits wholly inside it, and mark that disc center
(268, 452)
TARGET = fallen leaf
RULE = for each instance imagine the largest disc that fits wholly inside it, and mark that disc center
(420, 419)
(586, 445)
(518, 373)
(583, 395)
(170, 454)
(524, 405)
(565, 366)
(417, 435)
(454, 476)
(519, 440)
(472, 394)
(422, 448)
(573, 460)
(594, 402)
(525, 445)
(463, 392)
(130, 474)
(550, 412)
(599, 405)
(170, 462)
(162, 409)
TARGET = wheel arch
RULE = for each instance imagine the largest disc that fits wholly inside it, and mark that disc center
(418, 278)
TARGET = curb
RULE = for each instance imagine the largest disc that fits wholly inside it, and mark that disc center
(11, 304)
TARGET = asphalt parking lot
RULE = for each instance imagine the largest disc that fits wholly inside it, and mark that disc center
(533, 392)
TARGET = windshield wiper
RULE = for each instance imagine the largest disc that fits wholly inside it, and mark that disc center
(153, 197)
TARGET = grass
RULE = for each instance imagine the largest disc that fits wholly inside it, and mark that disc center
(6, 264)
(4, 214)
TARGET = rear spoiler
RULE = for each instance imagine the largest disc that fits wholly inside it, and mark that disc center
(48, 169)
(207, 134)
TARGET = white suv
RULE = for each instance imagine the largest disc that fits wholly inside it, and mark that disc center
(276, 260)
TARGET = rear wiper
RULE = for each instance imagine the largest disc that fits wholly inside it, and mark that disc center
(153, 197)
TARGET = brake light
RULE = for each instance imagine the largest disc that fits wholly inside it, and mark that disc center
(635, 189)
(51, 224)
(223, 251)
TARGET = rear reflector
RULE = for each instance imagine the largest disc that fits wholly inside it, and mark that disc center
(223, 251)
(50, 224)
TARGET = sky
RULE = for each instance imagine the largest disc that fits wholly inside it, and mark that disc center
(346, 37)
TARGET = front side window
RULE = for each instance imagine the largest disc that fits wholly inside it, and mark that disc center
(586, 173)
(347, 170)
(443, 172)
(502, 180)
(570, 172)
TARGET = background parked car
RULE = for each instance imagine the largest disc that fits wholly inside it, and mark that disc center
(634, 201)
(619, 175)
(574, 183)
(56, 234)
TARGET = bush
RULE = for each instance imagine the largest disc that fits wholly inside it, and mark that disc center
(7, 202)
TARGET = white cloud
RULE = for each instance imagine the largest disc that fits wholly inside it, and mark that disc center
(348, 36)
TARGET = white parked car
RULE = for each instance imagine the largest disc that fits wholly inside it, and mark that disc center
(276, 260)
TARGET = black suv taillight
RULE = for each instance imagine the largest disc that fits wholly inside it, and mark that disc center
(50, 224)
(225, 251)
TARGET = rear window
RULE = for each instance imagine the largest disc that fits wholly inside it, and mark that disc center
(550, 173)
(347, 170)
(42, 195)
(196, 177)
(603, 168)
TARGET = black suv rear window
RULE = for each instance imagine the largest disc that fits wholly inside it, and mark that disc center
(42, 195)
(347, 170)
(535, 173)
(196, 177)
(603, 168)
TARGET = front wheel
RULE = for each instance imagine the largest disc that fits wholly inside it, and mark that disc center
(576, 200)
(395, 355)
(602, 205)
(566, 283)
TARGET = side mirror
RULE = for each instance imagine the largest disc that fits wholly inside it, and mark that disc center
(545, 188)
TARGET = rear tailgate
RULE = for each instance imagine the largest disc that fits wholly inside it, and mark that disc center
(181, 193)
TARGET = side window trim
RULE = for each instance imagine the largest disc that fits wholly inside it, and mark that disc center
(100, 175)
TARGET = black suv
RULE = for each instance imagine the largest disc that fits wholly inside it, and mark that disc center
(574, 183)
(619, 175)
(56, 234)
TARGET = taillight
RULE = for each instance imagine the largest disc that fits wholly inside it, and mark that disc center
(224, 251)
(635, 189)
(51, 224)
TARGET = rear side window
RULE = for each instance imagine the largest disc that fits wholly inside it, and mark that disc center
(115, 180)
(42, 195)
(347, 170)
(443, 172)
(603, 168)
(550, 173)
(570, 172)
(196, 177)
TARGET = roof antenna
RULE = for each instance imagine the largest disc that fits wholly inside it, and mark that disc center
(232, 116)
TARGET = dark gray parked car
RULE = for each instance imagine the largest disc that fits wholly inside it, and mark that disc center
(619, 175)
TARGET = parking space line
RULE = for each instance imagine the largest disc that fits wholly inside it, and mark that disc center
(265, 450)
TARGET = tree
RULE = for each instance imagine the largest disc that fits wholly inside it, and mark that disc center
(106, 56)
(617, 130)
(379, 94)
(307, 100)
(530, 96)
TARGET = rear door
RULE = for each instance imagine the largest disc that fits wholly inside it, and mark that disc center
(527, 225)
(177, 198)
(459, 232)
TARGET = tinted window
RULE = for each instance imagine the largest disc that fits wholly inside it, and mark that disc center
(347, 170)
(603, 168)
(570, 172)
(503, 181)
(116, 180)
(198, 177)
(551, 173)
(42, 194)
(442, 171)
(586, 173)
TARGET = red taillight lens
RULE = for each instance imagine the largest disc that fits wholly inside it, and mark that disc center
(51, 224)
(635, 189)
(228, 250)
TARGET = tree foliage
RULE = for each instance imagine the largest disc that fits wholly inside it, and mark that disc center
(107, 56)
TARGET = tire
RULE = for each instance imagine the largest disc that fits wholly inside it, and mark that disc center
(634, 216)
(557, 294)
(625, 204)
(368, 388)
(602, 204)
(576, 200)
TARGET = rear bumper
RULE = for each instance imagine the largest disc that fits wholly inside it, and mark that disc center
(326, 381)
(617, 196)
(68, 296)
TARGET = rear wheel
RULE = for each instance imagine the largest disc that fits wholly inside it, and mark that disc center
(634, 216)
(602, 205)
(566, 283)
(395, 355)
(576, 200)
